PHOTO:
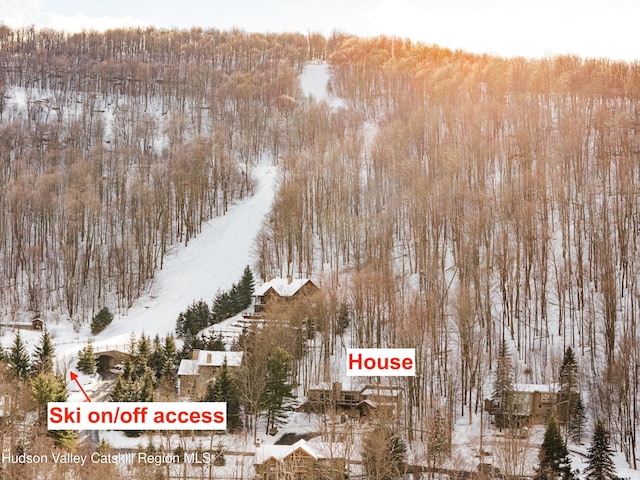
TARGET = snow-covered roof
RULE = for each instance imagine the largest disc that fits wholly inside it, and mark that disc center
(188, 367)
(209, 358)
(535, 387)
(331, 449)
(368, 402)
(282, 286)
(279, 452)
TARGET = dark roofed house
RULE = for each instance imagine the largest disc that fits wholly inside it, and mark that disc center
(37, 324)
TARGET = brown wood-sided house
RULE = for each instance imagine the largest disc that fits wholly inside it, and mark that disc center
(531, 404)
(37, 324)
(300, 461)
(281, 289)
(369, 401)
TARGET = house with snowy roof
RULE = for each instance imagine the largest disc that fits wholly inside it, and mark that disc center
(281, 289)
(202, 367)
(530, 404)
(301, 461)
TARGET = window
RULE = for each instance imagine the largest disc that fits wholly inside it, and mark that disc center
(521, 409)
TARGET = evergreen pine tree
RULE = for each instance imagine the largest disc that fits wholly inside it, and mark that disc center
(170, 349)
(143, 349)
(569, 370)
(235, 300)
(43, 362)
(87, 360)
(246, 288)
(121, 391)
(577, 420)
(228, 304)
(215, 343)
(195, 318)
(600, 465)
(125, 389)
(503, 387)
(49, 387)
(181, 324)
(568, 391)
(146, 387)
(65, 439)
(19, 358)
(141, 357)
(169, 369)
(342, 318)
(279, 392)
(157, 358)
(224, 389)
(102, 319)
(128, 365)
(553, 456)
(223, 306)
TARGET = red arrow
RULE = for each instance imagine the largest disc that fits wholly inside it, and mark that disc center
(74, 378)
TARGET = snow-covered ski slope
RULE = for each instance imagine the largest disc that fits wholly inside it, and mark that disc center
(212, 261)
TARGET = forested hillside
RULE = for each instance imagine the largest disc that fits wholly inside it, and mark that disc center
(463, 200)
(115, 146)
(456, 204)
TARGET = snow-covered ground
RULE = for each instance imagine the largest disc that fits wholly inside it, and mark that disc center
(213, 260)
(315, 81)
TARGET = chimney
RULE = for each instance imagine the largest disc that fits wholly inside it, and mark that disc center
(289, 279)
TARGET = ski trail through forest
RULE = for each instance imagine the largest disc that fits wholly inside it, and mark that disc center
(213, 261)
